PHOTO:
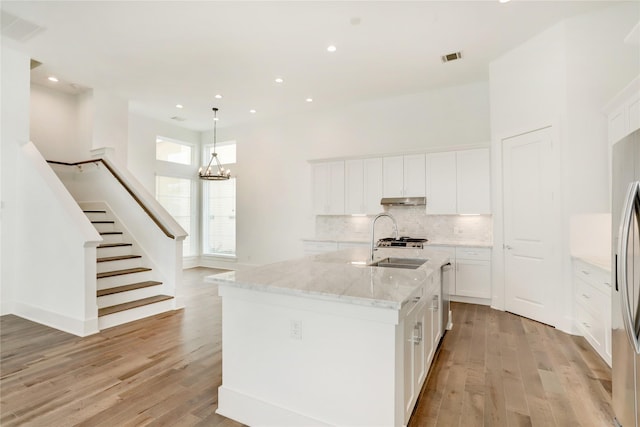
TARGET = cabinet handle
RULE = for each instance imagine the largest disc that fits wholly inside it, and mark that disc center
(435, 303)
(585, 272)
(586, 325)
(607, 284)
(586, 296)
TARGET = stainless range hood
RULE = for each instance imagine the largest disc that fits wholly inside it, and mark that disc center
(403, 201)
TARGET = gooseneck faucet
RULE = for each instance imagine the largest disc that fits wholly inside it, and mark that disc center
(373, 226)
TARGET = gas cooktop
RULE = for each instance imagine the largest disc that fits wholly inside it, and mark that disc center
(401, 242)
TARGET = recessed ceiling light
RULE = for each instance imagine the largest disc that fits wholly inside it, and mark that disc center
(331, 48)
(218, 96)
(252, 111)
(53, 79)
(179, 106)
(504, 1)
(279, 80)
(309, 99)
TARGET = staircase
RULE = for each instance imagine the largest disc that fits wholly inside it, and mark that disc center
(126, 288)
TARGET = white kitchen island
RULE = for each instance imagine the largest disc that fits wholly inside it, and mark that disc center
(328, 340)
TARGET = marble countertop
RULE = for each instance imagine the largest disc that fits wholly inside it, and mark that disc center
(600, 262)
(342, 276)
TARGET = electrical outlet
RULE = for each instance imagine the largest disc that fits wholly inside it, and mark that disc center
(295, 329)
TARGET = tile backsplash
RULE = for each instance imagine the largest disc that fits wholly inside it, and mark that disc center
(413, 222)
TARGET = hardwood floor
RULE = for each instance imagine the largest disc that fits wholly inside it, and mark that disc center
(498, 369)
(493, 369)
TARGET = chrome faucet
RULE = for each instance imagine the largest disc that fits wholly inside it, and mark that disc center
(373, 225)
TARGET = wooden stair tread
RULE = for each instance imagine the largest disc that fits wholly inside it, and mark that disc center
(132, 304)
(113, 245)
(94, 211)
(102, 233)
(117, 258)
(121, 272)
(125, 288)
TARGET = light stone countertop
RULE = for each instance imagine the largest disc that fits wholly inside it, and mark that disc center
(341, 276)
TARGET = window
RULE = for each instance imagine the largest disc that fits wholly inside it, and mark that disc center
(176, 188)
(219, 207)
(173, 151)
(175, 195)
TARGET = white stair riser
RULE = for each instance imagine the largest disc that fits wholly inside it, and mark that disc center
(111, 238)
(124, 279)
(104, 227)
(93, 216)
(122, 297)
(135, 314)
(123, 264)
(115, 251)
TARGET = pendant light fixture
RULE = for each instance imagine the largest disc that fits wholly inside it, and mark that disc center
(218, 173)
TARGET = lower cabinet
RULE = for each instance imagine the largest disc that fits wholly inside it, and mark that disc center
(592, 298)
(471, 275)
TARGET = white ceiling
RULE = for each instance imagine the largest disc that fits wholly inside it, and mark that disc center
(161, 53)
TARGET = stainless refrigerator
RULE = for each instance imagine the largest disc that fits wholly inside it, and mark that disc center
(625, 313)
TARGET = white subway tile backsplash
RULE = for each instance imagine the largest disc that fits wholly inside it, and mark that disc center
(413, 222)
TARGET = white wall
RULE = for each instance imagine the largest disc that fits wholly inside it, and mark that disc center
(15, 132)
(563, 77)
(142, 146)
(53, 125)
(273, 187)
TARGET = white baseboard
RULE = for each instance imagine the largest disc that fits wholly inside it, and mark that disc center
(252, 411)
(81, 328)
(470, 300)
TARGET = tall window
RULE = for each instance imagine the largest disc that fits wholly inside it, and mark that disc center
(219, 206)
(176, 188)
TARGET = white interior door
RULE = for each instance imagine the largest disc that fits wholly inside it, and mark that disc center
(531, 271)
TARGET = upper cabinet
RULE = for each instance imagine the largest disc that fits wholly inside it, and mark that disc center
(458, 182)
(363, 186)
(328, 188)
(404, 176)
(624, 112)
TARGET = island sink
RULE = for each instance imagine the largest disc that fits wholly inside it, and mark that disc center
(408, 263)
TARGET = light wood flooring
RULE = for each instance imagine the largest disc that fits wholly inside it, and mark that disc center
(493, 369)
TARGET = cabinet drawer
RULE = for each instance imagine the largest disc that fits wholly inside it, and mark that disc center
(593, 275)
(592, 328)
(482, 254)
(590, 298)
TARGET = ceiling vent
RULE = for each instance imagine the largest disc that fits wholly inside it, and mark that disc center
(451, 56)
(178, 118)
(17, 28)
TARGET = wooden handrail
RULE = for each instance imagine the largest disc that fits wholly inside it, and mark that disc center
(126, 187)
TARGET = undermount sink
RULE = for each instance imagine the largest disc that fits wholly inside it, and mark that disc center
(409, 263)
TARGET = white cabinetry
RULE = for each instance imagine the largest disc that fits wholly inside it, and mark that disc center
(415, 340)
(404, 176)
(473, 181)
(458, 182)
(592, 296)
(328, 188)
(363, 186)
(624, 118)
(473, 272)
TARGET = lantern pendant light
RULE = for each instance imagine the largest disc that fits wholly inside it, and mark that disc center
(214, 170)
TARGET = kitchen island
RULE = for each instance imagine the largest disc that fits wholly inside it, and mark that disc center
(328, 339)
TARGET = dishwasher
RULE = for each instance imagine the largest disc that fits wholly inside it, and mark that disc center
(445, 286)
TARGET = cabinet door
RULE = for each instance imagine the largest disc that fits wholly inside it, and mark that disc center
(354, 186)
(441, 183)
(473, 181)
(320, 178)
(414, 176)
(393, 176)
(336, 188)
(473, 278)
(372, 186)
(409, 397)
